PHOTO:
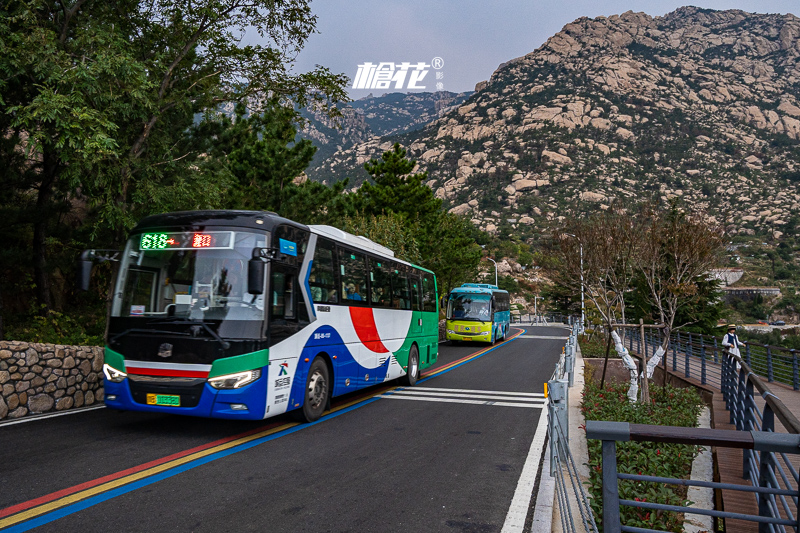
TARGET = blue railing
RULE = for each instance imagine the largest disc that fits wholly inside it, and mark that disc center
(770, 459)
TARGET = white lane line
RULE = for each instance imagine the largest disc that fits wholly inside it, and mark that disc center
(543, 337)
(521, 502)
(457, 400)
(473, 391)
(34, 418)
(466, 396)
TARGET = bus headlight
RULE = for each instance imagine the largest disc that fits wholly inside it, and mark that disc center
(113, 375)
(235, 381)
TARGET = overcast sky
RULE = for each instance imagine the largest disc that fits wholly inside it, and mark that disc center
(473, 37)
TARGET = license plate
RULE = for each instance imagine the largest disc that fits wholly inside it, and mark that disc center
(164, 399)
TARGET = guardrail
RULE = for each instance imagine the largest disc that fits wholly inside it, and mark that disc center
(694, 350)
(562, 463)
(765, 445)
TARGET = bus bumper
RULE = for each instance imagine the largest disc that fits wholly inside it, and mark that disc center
(481, 337)
(247, 403)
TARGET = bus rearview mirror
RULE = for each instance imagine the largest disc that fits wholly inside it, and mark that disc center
(84, 273)
(256, 268)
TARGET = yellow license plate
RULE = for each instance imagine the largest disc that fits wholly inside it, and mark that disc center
(164, 399)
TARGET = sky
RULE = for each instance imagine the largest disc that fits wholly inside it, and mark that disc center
(472, 37)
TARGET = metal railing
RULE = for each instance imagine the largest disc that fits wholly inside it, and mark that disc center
(770, 460)
(562, 464)
(761, 443)
(700, 355)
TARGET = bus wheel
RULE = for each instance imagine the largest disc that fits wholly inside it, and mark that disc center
(316, 392)
(412, 372)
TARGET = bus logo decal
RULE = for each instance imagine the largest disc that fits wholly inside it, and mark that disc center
(165, 350)
(284, 369)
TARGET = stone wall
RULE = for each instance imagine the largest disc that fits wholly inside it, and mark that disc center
(39, 378)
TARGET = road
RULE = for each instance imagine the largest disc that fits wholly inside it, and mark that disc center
(445, 455)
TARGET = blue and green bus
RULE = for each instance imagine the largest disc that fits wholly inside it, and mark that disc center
(248, 315)
(477, 312)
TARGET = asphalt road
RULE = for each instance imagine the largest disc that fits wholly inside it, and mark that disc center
(445, 455)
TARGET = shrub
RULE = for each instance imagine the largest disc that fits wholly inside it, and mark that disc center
(669, 407)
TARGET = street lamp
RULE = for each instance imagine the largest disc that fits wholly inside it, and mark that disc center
(495, 269)
(535, 312)
(583, 309)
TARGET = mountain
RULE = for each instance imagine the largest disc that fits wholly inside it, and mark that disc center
(698, 104)
(372, 117)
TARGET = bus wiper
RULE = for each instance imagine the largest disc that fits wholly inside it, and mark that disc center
(144, 330)
(179, 320)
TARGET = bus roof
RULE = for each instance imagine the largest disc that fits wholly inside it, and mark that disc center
(477, 288)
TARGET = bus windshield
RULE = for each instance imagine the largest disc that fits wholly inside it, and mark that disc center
(469, 307)
(189, 275)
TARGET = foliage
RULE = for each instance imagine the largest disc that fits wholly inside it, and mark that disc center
(397, 189)
(508, 283)
(594, 347)
(59, 328)
(258, 154)
(446, 242)
(390, 230)
(668, 407)
(98, 104)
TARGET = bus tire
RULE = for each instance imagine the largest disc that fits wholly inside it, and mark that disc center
(316, 392)
(412, 371)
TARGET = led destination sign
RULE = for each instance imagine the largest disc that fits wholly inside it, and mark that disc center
(187, 241)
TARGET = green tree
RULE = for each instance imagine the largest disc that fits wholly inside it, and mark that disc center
(397, 189)
(387, 229)
(100, 97)
(261, 158)
(449, 249)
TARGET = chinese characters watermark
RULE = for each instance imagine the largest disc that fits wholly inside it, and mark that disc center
(382, 75)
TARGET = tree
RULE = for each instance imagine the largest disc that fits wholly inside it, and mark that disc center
(677, 250)
(449, 249)
(261, 158)
(100, 96)
(396, 189)
(388, 229)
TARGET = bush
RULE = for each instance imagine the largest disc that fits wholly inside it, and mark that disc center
(669, 407)
(59, 328)
(594, 347)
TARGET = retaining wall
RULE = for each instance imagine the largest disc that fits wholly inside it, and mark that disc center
(39, 378)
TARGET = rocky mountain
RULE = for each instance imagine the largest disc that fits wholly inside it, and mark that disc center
(373, 117)
(698, 104)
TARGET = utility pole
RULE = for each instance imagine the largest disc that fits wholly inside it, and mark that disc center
(495, 269)
(583, 308)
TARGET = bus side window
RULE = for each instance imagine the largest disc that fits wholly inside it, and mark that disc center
(416, 300)
(322, 279)
(354, 276)
(428, 293)
(400, 297)
(380, 283)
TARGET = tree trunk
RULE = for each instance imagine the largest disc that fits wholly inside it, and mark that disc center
(605, 363)
(41, 219)
(645, 381)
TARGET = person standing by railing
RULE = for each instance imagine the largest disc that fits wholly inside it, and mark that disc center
(731, 341)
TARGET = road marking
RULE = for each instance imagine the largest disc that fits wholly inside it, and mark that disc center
(551, 337)
(470, 391)
(423, 393)
(34, 418)
(539, 405)
(521, 502)
(45, 509)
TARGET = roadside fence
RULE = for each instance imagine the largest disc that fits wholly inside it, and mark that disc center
(562, 464)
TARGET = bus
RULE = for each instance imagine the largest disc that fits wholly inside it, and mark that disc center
(477, 312)
(248, 315)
